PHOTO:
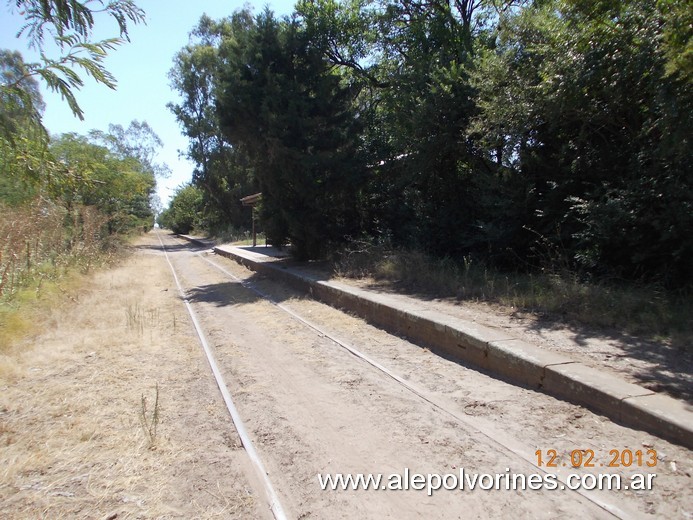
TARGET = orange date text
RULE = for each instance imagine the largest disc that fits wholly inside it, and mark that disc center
(577, 458)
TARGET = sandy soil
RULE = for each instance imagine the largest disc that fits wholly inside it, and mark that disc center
(72, 443)
(657, 365)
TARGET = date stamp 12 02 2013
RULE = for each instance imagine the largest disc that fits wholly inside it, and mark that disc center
(625, 458)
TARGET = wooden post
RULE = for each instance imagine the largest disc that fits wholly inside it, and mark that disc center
(253, 219)
(251, 200)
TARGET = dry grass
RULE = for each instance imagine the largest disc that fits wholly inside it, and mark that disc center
(41, 239)
(73, 398)
(641, 310)
(42, 252)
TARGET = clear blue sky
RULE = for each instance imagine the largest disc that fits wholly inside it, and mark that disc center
(141, 69)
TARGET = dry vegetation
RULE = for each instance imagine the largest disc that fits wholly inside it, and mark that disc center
(97, 419)
(41, 239)
(556, 292)
(43, 249)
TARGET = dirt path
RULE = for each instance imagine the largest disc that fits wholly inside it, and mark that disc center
(661, 366)
(71, 442)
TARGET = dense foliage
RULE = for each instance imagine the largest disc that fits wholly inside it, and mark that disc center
(525, 133)
(63, 198)
(185, 212)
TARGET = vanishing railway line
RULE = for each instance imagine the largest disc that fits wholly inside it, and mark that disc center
(384, 380)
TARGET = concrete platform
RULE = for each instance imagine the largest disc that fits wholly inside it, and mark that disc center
(492, 350)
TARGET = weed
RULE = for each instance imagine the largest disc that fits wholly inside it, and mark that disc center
(643, 310)
(134, 318)
(138, 318)
(149, 419)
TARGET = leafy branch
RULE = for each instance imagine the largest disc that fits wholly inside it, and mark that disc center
(63, 17)
(71, 23)
(60, 75)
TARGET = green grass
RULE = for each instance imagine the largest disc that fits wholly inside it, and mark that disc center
(22, 313)
(260, 241)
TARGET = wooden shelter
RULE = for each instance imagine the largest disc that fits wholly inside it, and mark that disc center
(251, 200)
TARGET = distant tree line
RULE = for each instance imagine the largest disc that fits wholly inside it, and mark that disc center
(519, 132)
(112, 172)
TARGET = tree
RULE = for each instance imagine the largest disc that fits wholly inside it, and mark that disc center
(26, 164)
(118, 185)
(292, 115)
(185, 210)
(21, 103)
(428, 178)
(70, 23)
(579, 99)
(23, 140)
(138, 141)
(221, 170)
(677, 37)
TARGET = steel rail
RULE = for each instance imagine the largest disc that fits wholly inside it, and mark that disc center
(272, 497)
(508, 445)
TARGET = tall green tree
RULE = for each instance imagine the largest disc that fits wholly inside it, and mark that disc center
(285, 106)
(581, 101)
(21, 103)
(221, 170)
(431, 186)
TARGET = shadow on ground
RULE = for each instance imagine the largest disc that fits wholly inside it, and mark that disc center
(669, 366)
(223, 294)
(669, 363)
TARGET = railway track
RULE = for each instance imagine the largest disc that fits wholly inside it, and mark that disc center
(505, 446)
(274, 502)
